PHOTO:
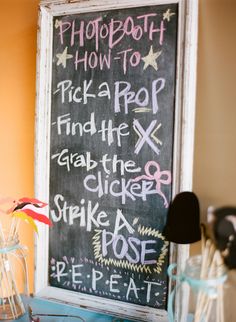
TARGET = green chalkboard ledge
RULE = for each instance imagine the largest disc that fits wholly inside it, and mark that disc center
(41, 306)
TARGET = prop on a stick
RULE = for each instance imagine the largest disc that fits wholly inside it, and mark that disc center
(183, 219)
(183, 227)
(30, 210)
(223, 222)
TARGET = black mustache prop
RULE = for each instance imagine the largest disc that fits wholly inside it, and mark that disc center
(223, 221)
(183, 219)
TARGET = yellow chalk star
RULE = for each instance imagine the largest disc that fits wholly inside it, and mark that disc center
(167, 15)
(150, 59)
(62, 58)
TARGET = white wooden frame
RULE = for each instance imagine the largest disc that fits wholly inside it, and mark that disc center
(183, 141)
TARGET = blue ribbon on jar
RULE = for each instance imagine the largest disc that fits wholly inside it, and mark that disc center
(9, 249)
(19, 251)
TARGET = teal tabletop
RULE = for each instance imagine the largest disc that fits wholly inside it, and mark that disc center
(45, 311)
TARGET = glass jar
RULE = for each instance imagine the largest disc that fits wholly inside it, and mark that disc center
(12, 264)
(201, 290)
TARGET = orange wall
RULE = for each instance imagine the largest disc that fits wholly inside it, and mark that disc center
(215, 152)
(215, 141)
(215, 132)
(18, 28)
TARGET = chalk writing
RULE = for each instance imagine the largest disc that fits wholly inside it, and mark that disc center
(124, 96)
(70, 273)
(87, 215)
(112, 128)
(160, 177)
(93, 30)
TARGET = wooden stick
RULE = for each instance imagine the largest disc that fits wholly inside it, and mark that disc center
(206, 305)
(14, 231)
(207, 262)
(4, 272)
(203, 238)
(208, 309)
(220, 302)
(201, 294)
(215, 271)
(11, 286)
(7, 288)
(220, 299)
(12, 227)
(26, 273)
(16, 228)
(1, 282)
(20, 302)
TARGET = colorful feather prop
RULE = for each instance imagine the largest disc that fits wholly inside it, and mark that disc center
(25, 217)
(34, 212)
(27, 209)
(37, 202)
(36, 216)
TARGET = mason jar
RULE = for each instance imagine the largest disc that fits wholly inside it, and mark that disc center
(201, 287)
(13, 268)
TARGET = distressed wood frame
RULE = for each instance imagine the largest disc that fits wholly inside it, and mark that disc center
(183, 142)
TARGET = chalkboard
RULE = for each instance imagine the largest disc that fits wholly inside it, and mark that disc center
(112, 127)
